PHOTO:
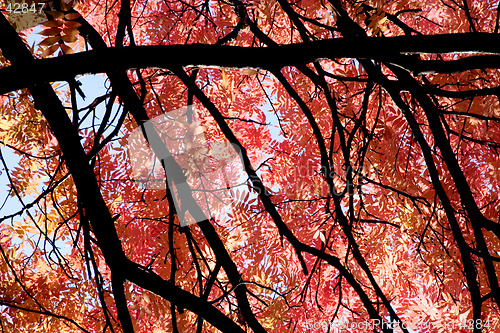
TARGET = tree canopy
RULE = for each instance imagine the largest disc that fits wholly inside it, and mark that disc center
(250, 166)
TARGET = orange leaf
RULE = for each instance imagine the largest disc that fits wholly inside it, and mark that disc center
(55, 14)
(66, 5)
(69, 38)
(71, 31)
(72, 16)
(53, 23)
(250, 72)
(50, 50)
(66, 49)
(72, 24)
(225, 80)
(50, 40)
(50, 32)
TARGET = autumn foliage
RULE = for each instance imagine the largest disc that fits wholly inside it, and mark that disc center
(363, 191)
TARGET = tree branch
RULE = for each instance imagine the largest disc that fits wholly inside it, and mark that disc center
(66, 67)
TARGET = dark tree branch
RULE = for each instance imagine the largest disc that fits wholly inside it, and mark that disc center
(121, 84)
(65, 67)
(100, 219)
(478, 220)
(42, 312)
(264, 195)
(418, 66)
(470, 272)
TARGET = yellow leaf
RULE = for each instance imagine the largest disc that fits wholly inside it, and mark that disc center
(31, 188)
(225, 80)
(34, 167)
(382, 18)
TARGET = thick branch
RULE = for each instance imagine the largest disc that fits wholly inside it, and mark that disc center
(89, 193)
(122, 85)
(272, 57)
